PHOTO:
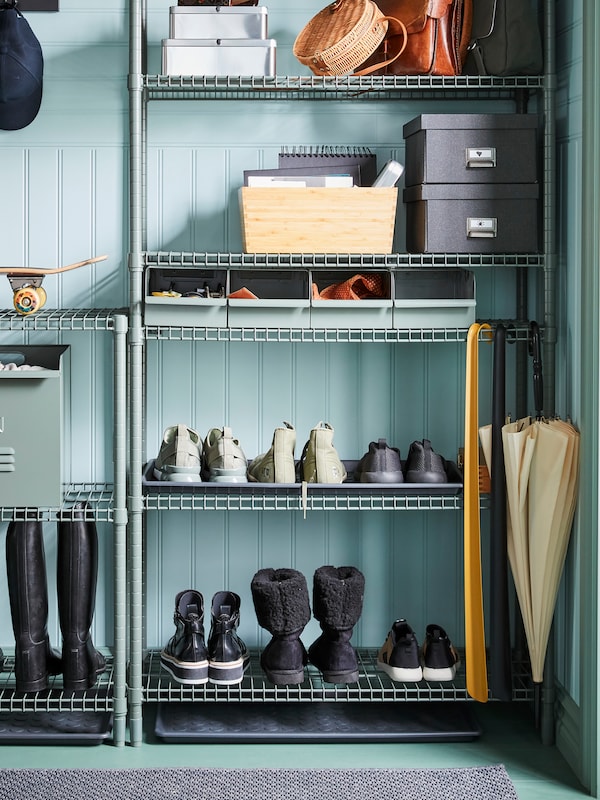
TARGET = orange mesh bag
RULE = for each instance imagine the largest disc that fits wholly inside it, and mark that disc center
(343, 35)
(358, 287)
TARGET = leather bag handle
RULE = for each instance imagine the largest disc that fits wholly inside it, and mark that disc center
(397, 28)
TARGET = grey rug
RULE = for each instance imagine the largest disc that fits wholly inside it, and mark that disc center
(473, 783)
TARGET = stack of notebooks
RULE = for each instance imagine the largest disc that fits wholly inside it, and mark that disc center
(325, 165)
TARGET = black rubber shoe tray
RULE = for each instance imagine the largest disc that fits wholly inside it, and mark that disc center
(453, 486)
(54, 727)
(315, 722)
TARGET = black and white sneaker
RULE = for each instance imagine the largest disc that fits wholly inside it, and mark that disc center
(399, 654)
(185, 656)
(440, 659)
(228, 656)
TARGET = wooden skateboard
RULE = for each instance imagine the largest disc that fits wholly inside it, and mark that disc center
(26, 283)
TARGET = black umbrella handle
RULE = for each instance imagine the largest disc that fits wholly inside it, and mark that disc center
(535, 350)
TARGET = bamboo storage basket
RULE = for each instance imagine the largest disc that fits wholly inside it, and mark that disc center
(341, 37)
(318, 220)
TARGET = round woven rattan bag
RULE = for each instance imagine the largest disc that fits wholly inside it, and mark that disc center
(341, 37)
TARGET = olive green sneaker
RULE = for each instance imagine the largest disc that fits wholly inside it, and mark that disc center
(277, 464)
(179, 458)
(223, 458)
(320, 462)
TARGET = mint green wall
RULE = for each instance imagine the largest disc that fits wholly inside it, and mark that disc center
(63, 185)
(63, 182)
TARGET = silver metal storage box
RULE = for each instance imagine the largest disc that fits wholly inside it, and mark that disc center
(217, 22)
(218, 57)
(472, 218)
(471, 148)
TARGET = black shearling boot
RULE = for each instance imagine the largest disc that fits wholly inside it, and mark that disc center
(28, 594)
(77, 571)
(282, 607)
(337, 604)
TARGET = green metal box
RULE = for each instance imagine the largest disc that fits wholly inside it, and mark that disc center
(34, 407)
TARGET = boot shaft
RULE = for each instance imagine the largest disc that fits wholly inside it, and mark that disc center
(338, 596)
(281, 600)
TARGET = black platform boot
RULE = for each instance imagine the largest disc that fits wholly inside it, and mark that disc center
(28, 594)
(282, 607)
(77, 567)
(337, 604)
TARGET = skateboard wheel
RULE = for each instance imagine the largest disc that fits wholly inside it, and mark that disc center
(29, 299)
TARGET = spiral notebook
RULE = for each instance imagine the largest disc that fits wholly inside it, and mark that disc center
(331, 155)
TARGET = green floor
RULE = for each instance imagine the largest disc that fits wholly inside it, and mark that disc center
(508, 737)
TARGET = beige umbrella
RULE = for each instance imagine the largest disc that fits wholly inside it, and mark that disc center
(541, 462)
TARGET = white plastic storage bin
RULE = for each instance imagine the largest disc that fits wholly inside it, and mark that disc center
(425, 298)
(282, 299)
(216, 22)
(202, 301)
(34, 419)
(218, 57)
(369, 312)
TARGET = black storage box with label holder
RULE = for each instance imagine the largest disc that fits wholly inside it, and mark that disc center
(472, 218)
(471, 183)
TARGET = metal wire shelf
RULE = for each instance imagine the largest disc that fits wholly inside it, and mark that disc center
(79, 319)
(517, 332)
(287, 87)
(291, 500)
(98, 499)
(372, 685)
(55, 698)
(329, 260)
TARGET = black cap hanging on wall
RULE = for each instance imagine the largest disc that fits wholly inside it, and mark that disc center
(21, 69)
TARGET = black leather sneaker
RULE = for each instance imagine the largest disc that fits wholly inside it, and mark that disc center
(399, 655)
(228, 656)
(440, 659)
(185, 656)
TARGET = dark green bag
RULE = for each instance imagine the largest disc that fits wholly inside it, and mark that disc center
(505, 39)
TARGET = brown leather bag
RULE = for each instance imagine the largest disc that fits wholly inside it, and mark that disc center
(438, 37)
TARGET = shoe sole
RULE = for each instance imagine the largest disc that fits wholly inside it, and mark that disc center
(340, 677)
(440, 675)
(284, 677)
(186, 672)
(224, 673)
(401, 674)
(178, 474)
(381, 477)
(412, 476)
(228, 475)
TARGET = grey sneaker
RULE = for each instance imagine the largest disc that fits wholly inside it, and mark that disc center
(320, 462)
(224, 459)
(380, 464)
(423, 465)
(277, 464)
(179, 458)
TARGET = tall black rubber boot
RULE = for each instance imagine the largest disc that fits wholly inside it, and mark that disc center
(282, 607)
(337, 604)
(28, 595)
(77, 570)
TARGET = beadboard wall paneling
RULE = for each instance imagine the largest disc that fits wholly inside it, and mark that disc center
(64, 199)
